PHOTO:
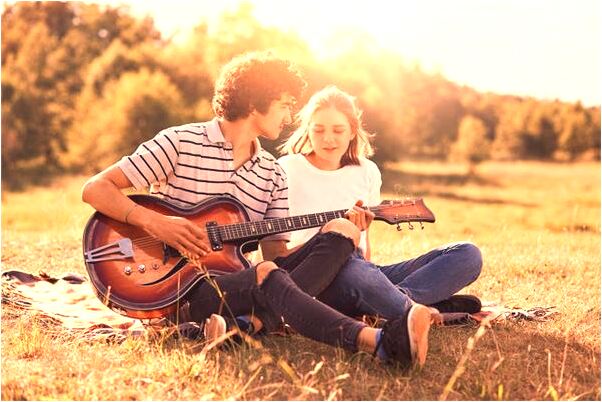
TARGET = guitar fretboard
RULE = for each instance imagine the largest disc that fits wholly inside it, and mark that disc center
(257, 229)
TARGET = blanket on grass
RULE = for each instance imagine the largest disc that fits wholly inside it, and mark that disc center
(70, 302)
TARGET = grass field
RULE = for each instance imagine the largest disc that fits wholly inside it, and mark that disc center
(537, 224)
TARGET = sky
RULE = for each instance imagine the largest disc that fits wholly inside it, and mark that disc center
(547, 49)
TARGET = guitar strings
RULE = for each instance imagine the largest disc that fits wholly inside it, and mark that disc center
(150, 240)
(146, 242)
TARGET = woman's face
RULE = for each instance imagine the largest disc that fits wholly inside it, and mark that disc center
(330, 135)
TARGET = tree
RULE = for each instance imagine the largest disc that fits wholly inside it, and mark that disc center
(472, 144)
(27, 127)
(579, 132)
(131, 110)
(239, 32)
(46, 48)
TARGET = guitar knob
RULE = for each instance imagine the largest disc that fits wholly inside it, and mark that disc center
(156, 266)
(141, 268)
(127, 270)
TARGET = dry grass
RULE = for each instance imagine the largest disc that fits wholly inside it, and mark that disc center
(537, 224)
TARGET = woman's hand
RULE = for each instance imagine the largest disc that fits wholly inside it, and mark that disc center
(360, 217)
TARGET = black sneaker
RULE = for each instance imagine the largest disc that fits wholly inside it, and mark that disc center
(181, 314)
(459, 304)
(182, 320)
(405, 339)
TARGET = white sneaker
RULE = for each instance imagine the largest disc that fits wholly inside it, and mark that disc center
(215, 327)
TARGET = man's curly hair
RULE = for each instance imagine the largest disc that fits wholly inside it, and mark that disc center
(252, 81)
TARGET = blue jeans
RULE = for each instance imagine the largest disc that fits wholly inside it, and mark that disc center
(362, 287)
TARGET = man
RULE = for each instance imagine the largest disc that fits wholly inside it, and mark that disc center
(254, 96)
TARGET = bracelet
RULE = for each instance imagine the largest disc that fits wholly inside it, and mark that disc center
(129, 212)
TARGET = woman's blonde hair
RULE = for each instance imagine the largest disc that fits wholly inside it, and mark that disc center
(330, 96)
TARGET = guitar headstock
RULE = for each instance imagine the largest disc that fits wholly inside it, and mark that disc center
(399, 211)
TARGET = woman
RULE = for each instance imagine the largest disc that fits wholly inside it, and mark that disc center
(327, 168)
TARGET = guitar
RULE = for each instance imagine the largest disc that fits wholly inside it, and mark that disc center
(139, 276)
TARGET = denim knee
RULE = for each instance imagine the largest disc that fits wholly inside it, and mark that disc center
(473, 259)
(361, 288)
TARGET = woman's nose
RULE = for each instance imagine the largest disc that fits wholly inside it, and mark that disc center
(329, 138)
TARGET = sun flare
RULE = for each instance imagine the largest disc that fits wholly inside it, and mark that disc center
(546, 49)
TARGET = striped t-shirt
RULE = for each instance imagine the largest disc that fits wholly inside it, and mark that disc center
(186, 164)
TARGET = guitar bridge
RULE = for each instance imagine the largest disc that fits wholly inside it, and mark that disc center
(118, 250)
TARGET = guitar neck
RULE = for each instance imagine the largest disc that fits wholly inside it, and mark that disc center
(258, 229)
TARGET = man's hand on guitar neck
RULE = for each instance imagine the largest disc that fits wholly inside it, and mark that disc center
(360, 217)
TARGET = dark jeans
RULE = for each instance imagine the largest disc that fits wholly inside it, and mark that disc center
(284, 294)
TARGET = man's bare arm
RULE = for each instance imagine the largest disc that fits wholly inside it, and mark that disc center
(103, 193)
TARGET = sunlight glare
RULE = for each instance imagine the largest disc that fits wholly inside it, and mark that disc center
(542, 48)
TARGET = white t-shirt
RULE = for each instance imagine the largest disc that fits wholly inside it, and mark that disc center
(312, 190)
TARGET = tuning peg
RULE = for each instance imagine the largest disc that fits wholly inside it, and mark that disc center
(399, 228)
(410, 226)
(421, 225)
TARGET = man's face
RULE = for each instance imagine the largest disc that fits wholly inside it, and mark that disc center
(279, 114)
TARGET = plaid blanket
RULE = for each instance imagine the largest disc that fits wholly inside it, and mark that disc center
(69, 302)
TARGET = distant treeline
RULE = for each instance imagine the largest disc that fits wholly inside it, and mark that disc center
(82, 84)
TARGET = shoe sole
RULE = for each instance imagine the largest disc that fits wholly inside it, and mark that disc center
(215, 326)
(419, 324)
(461, 304)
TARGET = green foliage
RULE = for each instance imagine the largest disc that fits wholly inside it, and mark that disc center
(116, 60)
(188, 68)
(59, 60)
(131, 110)
(28, 132)
(580, 132)
(472, 144)
(46, 48)
(239, 32)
